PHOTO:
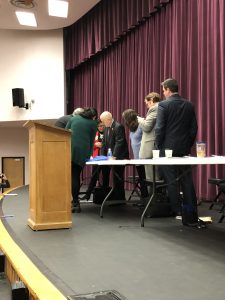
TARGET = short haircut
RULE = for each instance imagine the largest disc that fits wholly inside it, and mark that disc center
(155, 97)
(170, 84)
(106, 115)
(89, 113)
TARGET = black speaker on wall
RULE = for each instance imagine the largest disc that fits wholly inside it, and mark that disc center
(18, 97)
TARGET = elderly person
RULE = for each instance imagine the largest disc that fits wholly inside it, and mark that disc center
(62, 121)
(115, 139)
(147, 125)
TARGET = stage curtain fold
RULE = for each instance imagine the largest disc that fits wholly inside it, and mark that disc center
(107, 22)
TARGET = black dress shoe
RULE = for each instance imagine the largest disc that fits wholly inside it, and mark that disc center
(199, 224)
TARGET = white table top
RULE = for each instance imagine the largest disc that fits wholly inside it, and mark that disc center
(187, 160)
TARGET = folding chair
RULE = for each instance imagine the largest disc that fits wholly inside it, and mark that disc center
(136, 189)
(217, 182)
(222, 190)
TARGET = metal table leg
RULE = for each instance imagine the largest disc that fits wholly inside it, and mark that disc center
(150, 200)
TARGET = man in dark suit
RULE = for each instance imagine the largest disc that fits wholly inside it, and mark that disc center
(176, 129)
(114, 138)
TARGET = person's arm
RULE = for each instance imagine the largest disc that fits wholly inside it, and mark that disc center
(160, 127)
(193, 129)
(120, 137)
(68, 125)
(148, 123)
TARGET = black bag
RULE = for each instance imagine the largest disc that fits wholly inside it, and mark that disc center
(99, 194)
(160, 205)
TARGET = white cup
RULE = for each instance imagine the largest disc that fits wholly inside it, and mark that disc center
(155, 153)
(168, 152)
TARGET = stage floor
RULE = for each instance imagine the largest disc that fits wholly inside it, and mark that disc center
(162, 261)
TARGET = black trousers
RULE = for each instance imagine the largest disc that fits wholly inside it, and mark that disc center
(184, 184)
(118, 180)
(76, 171)
(94, 178)
(141, 174)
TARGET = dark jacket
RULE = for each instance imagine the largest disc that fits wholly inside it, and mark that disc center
(62, 121)
(4, 184)
(176, 125)
(116, 140)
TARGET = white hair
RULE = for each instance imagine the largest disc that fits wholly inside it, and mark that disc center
(77, 111)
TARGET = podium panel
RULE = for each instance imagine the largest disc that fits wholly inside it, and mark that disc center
(50, 177)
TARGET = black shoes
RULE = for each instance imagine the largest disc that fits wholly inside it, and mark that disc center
(75, 208)
(199, 224)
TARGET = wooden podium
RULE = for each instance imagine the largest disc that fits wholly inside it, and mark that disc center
(50, 176)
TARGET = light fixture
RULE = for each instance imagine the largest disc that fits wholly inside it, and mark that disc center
(58, 8)
(26, 18)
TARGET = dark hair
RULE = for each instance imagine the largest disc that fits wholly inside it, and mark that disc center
(170, 84)
(89, 113)
(130, 118)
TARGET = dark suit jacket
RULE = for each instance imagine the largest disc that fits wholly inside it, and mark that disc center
(176, 125)
(62, 121)
(116, 140)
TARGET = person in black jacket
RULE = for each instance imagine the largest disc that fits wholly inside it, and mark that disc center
(115, 139)
(62, 121)
(176, 129)
(4, 183)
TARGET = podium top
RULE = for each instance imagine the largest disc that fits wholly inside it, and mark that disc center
(45, 125)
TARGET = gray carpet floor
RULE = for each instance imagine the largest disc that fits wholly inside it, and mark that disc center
(162, 261)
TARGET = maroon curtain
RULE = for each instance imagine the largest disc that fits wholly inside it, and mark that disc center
(107, 22)
(185, 40)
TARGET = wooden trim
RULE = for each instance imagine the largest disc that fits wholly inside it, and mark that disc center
(19, 267)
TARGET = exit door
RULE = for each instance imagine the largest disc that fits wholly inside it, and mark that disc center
(14, 169)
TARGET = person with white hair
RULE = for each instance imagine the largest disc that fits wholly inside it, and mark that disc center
(114, 138)
(62, 121)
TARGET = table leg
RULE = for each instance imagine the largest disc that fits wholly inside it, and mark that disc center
(152, 196)
(108, 202)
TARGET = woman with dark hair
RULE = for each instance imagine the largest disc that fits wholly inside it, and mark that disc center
(131, 121)
(83, 129)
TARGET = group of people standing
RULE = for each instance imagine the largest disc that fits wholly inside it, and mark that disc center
(168, 124)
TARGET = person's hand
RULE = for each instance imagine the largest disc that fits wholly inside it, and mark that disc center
(98, 144)
(139, 119)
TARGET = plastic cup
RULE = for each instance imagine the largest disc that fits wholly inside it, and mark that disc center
(155, 153)
(201, 149)
(168, 152)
